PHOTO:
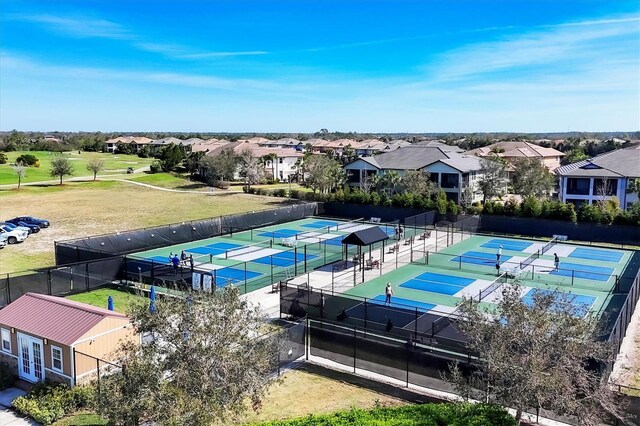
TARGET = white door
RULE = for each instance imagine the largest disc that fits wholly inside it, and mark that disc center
(31, 360)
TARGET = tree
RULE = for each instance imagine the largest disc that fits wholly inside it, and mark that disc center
(574, 155)
(348, 155)
(192, 162)
(95, 165)
(220, 167)
(537, 356)
(392, 178)
(250, 168)
(324, 174)
(20, 170)
(531, 178)
(205, 361)
(28, 160)
(170, 156)
(492, 179)
(3, 158)
(270, 159)
(61, 166)
(418, 182)
(466, 196)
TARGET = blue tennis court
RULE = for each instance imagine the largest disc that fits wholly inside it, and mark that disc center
(439, 288)
(594, 254)
(402, 312)
(285, 258)
(320, 224)
(479, 258)
(280, 233)
(512, 245)
(588, 272)
(582, 302)
(159, 259)
(214, 249)
(225, 276)
(437, 283)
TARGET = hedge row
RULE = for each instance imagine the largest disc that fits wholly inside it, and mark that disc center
(451, 414)
(530, 207)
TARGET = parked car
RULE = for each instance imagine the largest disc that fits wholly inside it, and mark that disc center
(42, 223)
(13, 235)
(3, 241)
(18, 227)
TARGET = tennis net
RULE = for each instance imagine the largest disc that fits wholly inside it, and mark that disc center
(248, 249)
(550, 244)
(350, 224)
(502, 279)
(529, 259)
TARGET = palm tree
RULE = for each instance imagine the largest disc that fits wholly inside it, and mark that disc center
(392, 178)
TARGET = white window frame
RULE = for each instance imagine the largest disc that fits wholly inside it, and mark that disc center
(53, 365)
(6, 337)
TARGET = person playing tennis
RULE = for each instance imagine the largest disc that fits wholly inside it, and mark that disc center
(388, 292)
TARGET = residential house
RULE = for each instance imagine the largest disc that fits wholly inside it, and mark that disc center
(449, 170)
(49, 337)
(208, 145)
(515, 150)
(283, 166)
(157, 145)
(135, 142)
(602, 177)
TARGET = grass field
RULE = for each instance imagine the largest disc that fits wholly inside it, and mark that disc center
(122, 301)
(114, 164)
(170, 181)
(90, 208)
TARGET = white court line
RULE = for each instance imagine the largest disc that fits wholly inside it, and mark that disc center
(243, 256)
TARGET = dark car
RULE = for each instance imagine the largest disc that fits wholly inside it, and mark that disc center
(42, 223)
(32, 226)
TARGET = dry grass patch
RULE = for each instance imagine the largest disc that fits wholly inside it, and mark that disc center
(305, 392)
(84, 209)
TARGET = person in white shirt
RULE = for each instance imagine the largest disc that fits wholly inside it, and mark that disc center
(388, 292)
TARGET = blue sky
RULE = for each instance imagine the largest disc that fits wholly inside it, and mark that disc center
(289, 66)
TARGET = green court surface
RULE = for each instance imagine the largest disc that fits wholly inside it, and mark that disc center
(250, 259)
(589, 275)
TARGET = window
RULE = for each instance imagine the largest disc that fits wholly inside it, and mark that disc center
(605, 187)
(578, 186)
(56, 358)
(280, 160)
(6, 340)
(449, 180)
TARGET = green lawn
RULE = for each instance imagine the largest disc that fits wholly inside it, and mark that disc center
(170, 181)
(114, 164)
(81, 419)
(122, 301)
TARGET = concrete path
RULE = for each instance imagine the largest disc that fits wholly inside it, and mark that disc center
(8, 417)
(212, 191)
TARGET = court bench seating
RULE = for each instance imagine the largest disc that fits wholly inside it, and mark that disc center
(424, 235)
(409, 240)
(394, 248)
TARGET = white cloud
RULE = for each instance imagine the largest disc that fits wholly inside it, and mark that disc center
(81, 27)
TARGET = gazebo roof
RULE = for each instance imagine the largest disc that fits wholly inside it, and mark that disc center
(365, 237)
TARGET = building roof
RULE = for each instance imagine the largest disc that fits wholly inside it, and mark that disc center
(440, 144)
(167, 141)
(619, 163)
(257, 150)
(54, 318)
(365, 237)
(140, 140)
(416, 157)
(516, 149)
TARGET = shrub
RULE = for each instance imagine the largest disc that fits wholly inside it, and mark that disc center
(281, 192)
(531, 207)
(441, 202)
(295, 193)
(424, 414)
(3, 158)
(47, 402)
(221, 184)
(155, 167)
(28, 160)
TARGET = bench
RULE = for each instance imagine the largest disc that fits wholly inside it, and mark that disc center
(372, 263)
(275, 287)
(425, 235)
(394, 248)
(409, 241)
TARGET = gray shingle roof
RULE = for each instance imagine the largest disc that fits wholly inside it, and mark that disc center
(621, 162)
(416, 157)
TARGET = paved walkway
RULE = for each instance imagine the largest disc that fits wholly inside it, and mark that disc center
(8, 417)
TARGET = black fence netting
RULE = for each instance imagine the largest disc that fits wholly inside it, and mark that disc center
(404, 360)
(405, 323)
(292, 345)
(102, 246)
(76, 278)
